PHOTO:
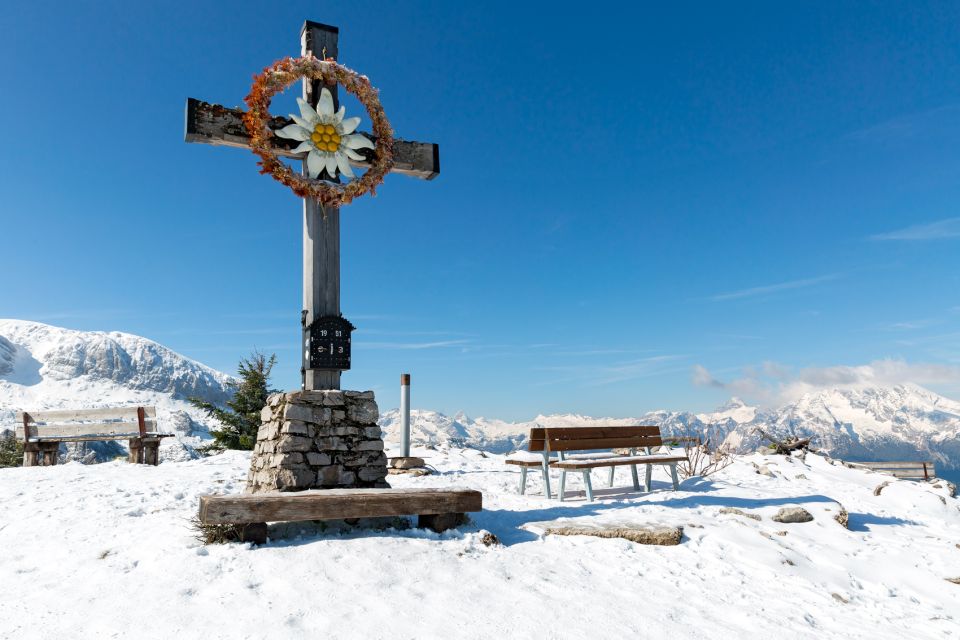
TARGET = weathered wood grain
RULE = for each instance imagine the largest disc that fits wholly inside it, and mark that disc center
(336, 504)
(221, 126)
(112, 430)
(114, 413)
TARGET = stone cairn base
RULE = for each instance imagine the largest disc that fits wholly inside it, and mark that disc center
(318, 440)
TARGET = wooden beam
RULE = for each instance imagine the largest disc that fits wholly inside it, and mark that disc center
(335, 504)
(217, 125)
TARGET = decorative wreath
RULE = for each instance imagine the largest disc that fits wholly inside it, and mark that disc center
(326, 136)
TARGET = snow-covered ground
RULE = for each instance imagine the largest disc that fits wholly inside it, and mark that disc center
(107, 551)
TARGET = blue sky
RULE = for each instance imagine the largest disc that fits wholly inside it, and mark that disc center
(640, 206)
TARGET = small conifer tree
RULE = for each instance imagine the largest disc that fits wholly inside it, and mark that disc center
(241, 418)
(11, 450)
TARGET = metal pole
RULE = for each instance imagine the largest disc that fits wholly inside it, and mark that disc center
(405, 415)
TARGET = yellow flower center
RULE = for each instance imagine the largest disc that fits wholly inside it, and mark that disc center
(325, 137)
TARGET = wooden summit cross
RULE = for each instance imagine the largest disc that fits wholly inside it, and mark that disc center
(218, 125)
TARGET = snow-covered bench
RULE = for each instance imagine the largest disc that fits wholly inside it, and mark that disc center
(594, 447)
(438, 509)
(913, 470)
(43, 431)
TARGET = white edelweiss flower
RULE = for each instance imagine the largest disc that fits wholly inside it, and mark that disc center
(328, 137)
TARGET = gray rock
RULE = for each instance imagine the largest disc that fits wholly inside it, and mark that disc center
(296, 428)
(285, 460)
(369, 474)
(329, 476)
(363, 395)
(292, 479)
(266, 414)
(739, 512)
(334, 399)
(365, 412)
(294, 443)
(405, 463)
(318, 459)
(373, 445)
(372, 432)
(347, 478)
(301, 412)
(792, 515)
(641, 534)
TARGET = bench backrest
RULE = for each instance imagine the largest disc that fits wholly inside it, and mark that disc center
(87, 424)
(907, 470)
(589, 438)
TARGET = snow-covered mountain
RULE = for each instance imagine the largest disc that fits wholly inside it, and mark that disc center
(46, 367)
(905, 422)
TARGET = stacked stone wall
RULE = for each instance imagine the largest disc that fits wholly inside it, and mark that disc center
(318, 440)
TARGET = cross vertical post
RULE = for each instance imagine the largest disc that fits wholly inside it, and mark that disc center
(321, 225)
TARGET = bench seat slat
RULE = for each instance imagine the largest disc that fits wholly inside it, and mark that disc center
(335, 504)
(99, 438)
(602, 443)
(616, 461)
(115, 413)
(51, 431)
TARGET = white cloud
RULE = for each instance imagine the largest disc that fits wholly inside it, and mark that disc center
(772, 288)
(939, 230)
(775, 384)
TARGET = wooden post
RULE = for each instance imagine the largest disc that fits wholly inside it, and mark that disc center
(321, 226)
(405, 415)
(151, 451)
(136, 451)
(49, 451)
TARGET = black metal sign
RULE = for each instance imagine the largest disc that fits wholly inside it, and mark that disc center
(327, 342)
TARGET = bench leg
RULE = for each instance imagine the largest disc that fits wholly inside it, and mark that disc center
(612, 469)
(523, 480)
(647, 478)
(673, 476)
(49, 451)
(586, 481)
(563, 484)
(255, 532)
(30, 454)
(636, 478)
(440, 522)
(546, 477)
(151, 452)
(136, 451)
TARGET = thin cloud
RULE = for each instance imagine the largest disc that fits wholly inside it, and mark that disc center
(939, 230)
(772, 288)
(775, 384)
(440, 344)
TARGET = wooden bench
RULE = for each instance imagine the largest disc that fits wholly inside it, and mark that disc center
(438, 509)
(43, 431)
(595, 445)
(905, 470)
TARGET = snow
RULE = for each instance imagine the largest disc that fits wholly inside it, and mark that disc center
(107, 550)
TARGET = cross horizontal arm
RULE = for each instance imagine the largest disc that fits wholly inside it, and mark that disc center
(218, 125)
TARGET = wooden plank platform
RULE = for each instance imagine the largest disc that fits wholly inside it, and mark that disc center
(439, 509)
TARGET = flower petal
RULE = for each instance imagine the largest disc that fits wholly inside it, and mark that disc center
(353, 155)
(307, 111)
(325, 105)
(357, 141)
(315, 164)
(303, 123)
(304, 147)
(338, 116)
(293, 132)
(331, 165)
(343, 164)
(349, 126)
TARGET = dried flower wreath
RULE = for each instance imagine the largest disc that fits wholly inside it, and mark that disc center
(327, 138)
